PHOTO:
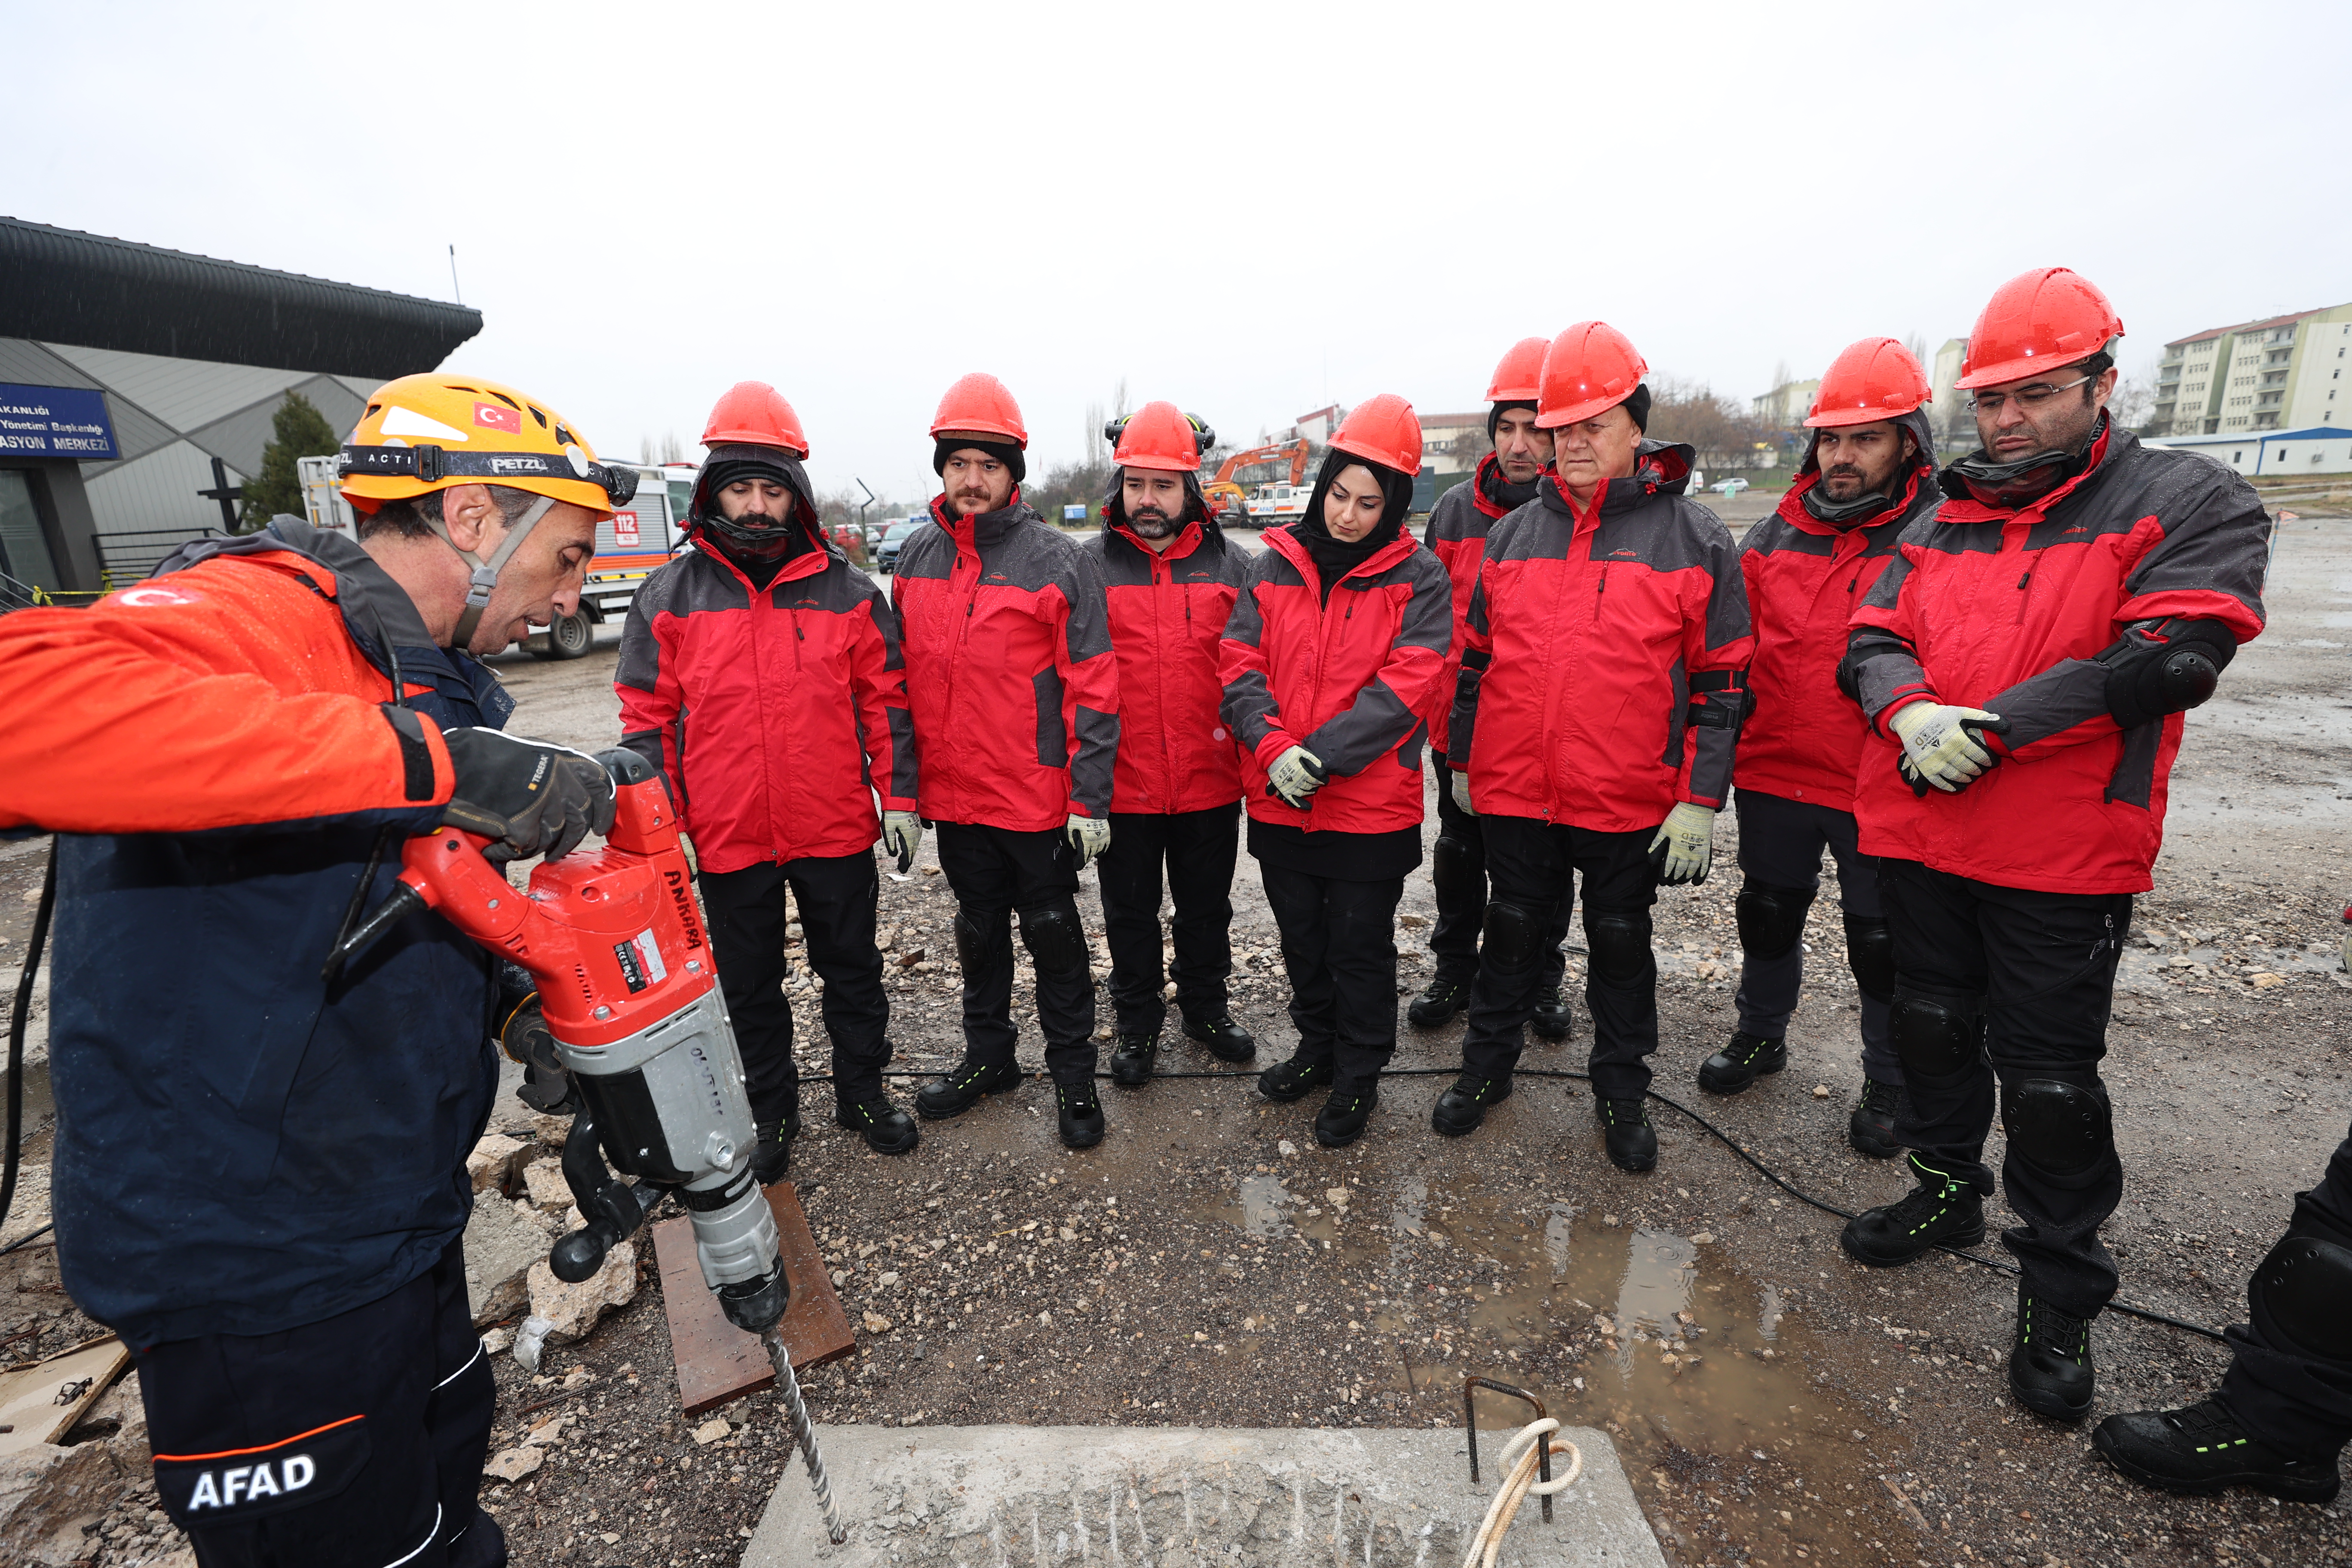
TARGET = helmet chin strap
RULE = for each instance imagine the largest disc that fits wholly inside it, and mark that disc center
(486, 573)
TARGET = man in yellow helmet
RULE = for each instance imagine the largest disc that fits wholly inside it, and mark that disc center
(259, 1178)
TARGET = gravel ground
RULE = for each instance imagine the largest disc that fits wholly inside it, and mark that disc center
(1208, 1264)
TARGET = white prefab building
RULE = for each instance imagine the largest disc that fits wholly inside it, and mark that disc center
(2273, 454)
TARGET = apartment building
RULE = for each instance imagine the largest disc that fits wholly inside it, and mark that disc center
(2282, 373)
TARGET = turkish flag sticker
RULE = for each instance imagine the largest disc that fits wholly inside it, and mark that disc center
(499, 417)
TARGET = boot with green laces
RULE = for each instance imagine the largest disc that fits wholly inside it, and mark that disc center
(1941, 1211)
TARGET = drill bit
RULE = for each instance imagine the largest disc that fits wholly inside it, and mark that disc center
(797, 1417)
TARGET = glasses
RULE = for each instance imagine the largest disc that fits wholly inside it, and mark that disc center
(2027, 396)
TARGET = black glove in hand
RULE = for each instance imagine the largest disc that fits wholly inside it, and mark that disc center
(533, 798)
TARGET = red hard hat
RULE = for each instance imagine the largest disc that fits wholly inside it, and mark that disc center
(1385, 429)
(1158, 436)
(979, 403)
(2047, 317)
(753, 413)
(1520, 378)
(1589, 368)
(1869, 380)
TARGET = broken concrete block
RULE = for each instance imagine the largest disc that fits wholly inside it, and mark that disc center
(546, 1185)
(492, 1163)
(49, 1494)
(500, 1248)
(574, 1309)
(513, 1464)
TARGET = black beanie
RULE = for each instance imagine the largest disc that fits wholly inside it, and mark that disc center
(1638, 405)
(1494, 414)
(1005, 452)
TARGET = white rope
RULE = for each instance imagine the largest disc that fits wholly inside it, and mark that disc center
(1520, 1483)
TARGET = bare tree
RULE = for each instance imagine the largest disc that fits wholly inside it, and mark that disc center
(1916, 347)
(671, 450)
(2133, 403)
(1725, 435)
(1096, 449)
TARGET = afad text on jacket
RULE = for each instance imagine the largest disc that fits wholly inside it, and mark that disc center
(1168, 614)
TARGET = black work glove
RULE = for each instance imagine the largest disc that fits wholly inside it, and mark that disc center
(533, 798)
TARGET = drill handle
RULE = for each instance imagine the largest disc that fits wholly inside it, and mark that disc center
(612, 1208)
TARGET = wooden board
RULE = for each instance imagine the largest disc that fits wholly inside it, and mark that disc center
(28, 1397)
(717, 1361)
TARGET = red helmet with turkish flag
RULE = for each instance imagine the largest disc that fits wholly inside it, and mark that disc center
(2037, 321)
(1869, 380)
(1589, 368)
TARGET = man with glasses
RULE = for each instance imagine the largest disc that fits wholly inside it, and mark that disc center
(2024, 664)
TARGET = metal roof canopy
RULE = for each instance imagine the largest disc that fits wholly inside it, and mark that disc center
(60, 286)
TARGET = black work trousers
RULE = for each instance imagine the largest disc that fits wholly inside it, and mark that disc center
(2293, 1401)
(2034, 972)
(997, 873)
(1338, 949)
(352, 1442)
(1457, 874)
(1199, 849)
(1534, 865)
(836, 896)
(1780, 845)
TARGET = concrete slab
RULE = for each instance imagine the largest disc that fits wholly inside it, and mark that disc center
(1030, 1496)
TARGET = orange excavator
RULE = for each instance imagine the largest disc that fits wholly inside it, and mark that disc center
(1260, 465)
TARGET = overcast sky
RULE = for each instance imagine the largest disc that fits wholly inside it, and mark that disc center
(1252, 209)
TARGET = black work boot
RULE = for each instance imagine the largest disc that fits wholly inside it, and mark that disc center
(1130, 1058)
(1295, 1077)
(772, 1148)
(962, 1086)
(1343, 1117)
(1740, 1064)
(1551, 1018)
(1081, 1114)
(2201, 1448)
(1626, 1133)
(1871, 1128)
(1463, 1108)
(2050, 1367)
(1446, 996)
(1227, 1041)
(887, 1129)
(1939, 1212)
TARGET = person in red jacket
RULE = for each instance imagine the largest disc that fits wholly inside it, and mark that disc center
(1014, 691)
(1331, 662)
(1595, 722)
(1505, 481)
(1870, 469)
(760, 672)
(2024, 664)
(1170, 575)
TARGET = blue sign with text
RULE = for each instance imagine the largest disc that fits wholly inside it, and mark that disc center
(55, 422)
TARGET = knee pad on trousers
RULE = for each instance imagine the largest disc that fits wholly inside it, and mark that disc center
(1618, 946)
(2301, 1299)
(1513, 934)
(2060, 1128)
(1055, 938)
(1870, 953)
(1453, 870)
(1771, 919)
(977, 944)
(1936, 1034)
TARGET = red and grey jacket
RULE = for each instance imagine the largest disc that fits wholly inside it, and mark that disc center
(1604, 676)
(1803, 737)
(1168, 613)
(2008, 610)
(1456, 534)
(1009, 670)
(776, 714)
(1353, 679)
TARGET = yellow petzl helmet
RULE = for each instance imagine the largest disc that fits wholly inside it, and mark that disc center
(425, 433)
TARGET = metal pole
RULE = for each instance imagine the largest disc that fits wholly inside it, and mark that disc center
(797, 1417)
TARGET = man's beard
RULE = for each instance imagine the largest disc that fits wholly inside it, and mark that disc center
(1150, 522)
(1853, 477)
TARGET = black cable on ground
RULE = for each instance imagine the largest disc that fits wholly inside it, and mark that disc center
(16, 1022)
(1997, 1265)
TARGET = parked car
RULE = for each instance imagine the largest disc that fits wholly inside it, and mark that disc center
(1728, 488)
(887, 553)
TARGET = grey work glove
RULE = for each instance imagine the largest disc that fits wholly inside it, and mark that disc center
(531, 797)
(1687, 839)
(1941, 744)
(902, 835)
(1090, 835)
(1460, 788)
(1296, 775)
